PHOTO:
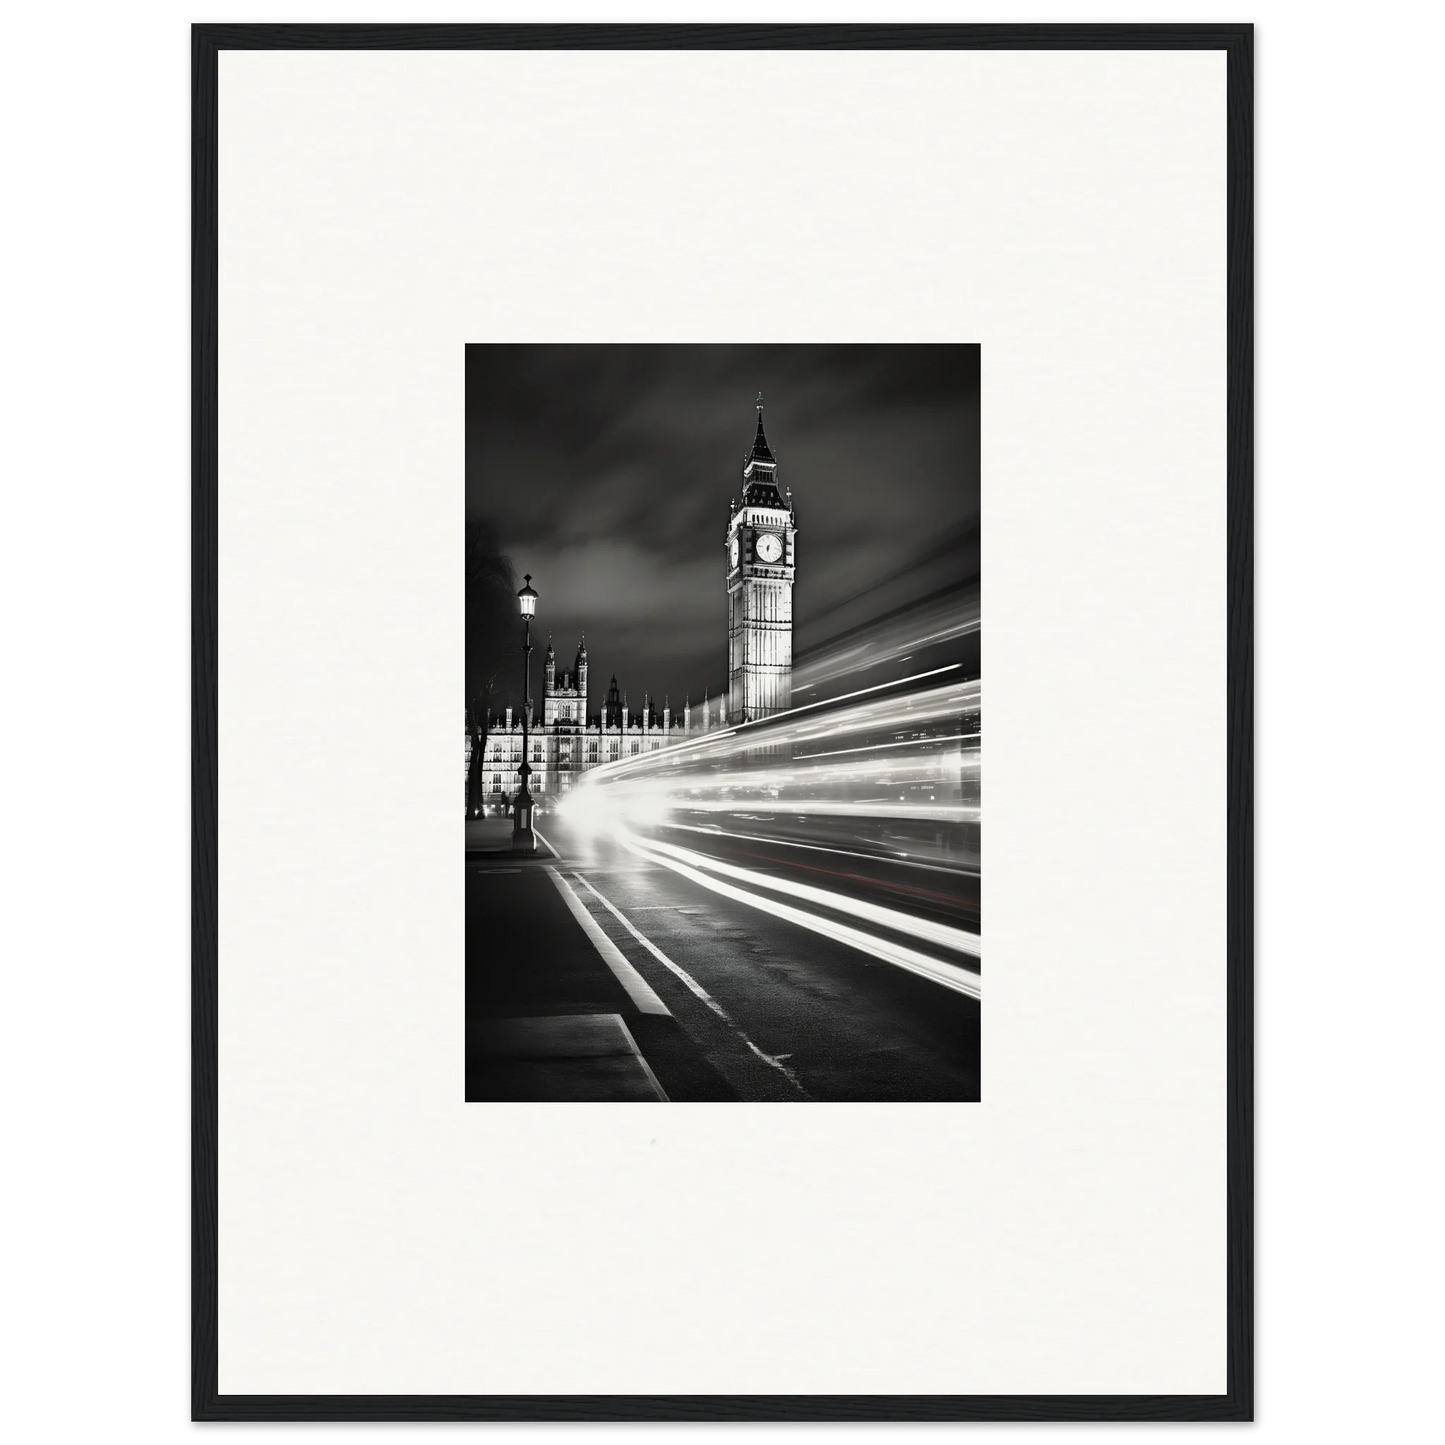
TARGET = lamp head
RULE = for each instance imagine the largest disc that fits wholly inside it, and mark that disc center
(527, 598)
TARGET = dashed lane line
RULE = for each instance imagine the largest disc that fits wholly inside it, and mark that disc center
(774, 1060)
(653, 949)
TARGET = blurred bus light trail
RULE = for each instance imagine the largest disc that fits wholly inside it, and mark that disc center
(713, 831)
(922, 929)
(949, 975)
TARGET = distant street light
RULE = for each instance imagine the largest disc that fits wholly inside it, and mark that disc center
(523, 838)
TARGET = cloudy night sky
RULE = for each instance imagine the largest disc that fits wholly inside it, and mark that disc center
(607, 472)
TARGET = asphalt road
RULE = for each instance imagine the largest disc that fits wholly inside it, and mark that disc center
(762, 1008)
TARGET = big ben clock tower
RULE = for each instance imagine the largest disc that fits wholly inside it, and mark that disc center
(760, 569)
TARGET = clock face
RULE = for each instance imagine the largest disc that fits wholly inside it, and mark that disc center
(770, 547)
(733, 552)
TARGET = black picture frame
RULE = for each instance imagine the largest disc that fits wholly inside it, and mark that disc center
(1236, 1403)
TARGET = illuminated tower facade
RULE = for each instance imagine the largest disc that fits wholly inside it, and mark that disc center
(564, 701)
(760, 570)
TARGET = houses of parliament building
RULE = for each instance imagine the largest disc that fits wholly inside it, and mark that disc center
(565, 740)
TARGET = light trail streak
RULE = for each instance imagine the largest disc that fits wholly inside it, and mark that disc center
(674, 751)
(906, 711)
(792, 726)
(926, 930)
(654, 804)
(921, 809)
(711, 830)
(772, 781)
(908, 747)
(948, 975)
(870, 654)
(893, 638)
(822, 790)
(900, 766)
(879, 747)
(769, 861)
(915, 711)
(877, 687)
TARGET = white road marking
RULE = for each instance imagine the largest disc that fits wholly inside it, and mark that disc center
(652, 948)
(775, 1060)
(638, 988)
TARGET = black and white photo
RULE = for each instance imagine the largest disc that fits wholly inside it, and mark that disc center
(723, 837)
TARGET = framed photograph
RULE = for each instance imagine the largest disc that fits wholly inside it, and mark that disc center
(617, 452)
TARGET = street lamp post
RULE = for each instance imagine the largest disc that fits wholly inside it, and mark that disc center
(523, 838)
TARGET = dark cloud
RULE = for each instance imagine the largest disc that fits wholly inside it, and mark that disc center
(607, 471)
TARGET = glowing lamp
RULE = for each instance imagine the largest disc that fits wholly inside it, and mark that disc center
(527, 598)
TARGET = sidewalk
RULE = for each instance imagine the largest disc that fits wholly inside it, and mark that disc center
(561, 1058)
(493, 837)
(555, 1012)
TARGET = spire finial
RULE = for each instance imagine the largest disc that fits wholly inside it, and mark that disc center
(760, 452)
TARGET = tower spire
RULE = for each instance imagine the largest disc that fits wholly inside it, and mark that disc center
(761, 452)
